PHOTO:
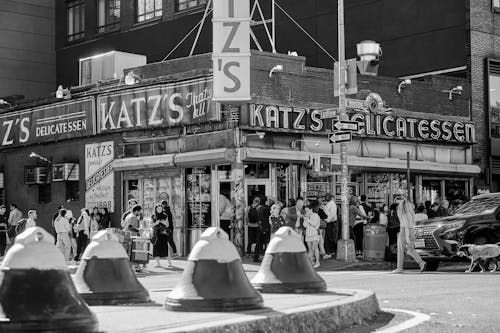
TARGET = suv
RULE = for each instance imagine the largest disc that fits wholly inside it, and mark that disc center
(476, 222)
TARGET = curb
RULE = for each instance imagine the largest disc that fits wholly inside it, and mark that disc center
(360, 306)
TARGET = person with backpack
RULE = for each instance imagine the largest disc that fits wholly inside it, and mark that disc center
(252, 224)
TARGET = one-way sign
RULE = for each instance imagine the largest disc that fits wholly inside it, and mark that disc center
(340, 137)
(346, 126)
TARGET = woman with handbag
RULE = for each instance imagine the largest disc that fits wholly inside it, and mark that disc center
(161, 234)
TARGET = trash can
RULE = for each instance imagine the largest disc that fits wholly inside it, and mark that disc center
(374, 242)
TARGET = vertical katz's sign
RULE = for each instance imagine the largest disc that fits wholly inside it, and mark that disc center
(164, 105)
(53, 122)
(99, 176)
(231, 50)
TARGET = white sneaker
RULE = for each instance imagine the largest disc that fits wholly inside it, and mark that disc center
(327, 256)
(397, 271)
(316, 265)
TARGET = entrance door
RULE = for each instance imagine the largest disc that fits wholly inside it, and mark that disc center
(255, 188)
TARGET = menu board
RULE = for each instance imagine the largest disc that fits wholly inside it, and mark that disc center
(315, 190)
(198, 197)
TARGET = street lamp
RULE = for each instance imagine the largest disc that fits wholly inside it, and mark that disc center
(35, 155)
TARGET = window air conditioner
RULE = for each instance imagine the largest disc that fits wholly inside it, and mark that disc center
(35, 175)
(65, 172)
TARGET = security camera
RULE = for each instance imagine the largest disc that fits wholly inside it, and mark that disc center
(261, 135)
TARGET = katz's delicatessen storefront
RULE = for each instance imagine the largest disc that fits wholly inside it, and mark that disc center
(439, 147)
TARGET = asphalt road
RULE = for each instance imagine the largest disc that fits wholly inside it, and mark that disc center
(452, 300)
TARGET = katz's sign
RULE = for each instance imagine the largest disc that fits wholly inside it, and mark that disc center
(374, 125)
(163, 105)
(49, 123)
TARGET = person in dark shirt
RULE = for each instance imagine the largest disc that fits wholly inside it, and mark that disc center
(264, 232)
(4, 224)
(171, 242)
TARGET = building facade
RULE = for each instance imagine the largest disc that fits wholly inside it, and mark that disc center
(27, 49)
(165, 139)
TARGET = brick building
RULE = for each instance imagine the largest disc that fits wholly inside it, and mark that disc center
(163, 138)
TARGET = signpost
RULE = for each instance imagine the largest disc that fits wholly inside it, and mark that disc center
(338, 137)
(330, 113)
(358, 104)
(345, 126)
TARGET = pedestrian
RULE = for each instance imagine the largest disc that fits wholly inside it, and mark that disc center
(105, 221)
(322, 227)
(421, 214)
(72, 234)
(406, 235)
(366, 208)
(170, 219)
(384, 211)
(62, 229)
(332, 226)
(357, 220)
(376, 217)
(132, 222)
(264, 231)
(311, 225)
(252, 225)
(294, 215)
(428, 209)
(4, 225)
(82, 232)
(31, 221)
(443, 209)
(56, 214)
(95, 221)
(160, 235)
(226, 213)
(131, 204)
(15, 215)
(276, 220)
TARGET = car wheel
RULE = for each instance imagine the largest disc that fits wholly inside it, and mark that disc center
(432, 265)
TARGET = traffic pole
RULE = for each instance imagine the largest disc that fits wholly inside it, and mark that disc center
(345, 247)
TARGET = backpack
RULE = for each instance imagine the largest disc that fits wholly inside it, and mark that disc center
(393, 221)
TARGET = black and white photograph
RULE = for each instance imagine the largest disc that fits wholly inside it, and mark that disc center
(249, 166)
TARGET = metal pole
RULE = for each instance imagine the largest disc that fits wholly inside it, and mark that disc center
(343, 116)
(274, 27)
(408, 187)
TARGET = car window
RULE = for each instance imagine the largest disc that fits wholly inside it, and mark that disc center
(485, 205)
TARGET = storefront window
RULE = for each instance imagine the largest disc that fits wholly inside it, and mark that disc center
(281, 181)
(399, 185)
(431, 190)
(260, 170)
(378, 188)
(198, 197)
(494, 97)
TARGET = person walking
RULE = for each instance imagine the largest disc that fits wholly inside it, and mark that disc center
(105, 221)
(264, 232)
(132, 222)
(357, 220)
(15, 215)
(62, 229)
(311, 226)
(82, 232)
(4, 225)
(406, 235)
(252, 224)
(384, 212)
(160, 237)
(420, 214)
(332, 226)
(31, 221)
(276, 220)
(170, 219)
(226, 213)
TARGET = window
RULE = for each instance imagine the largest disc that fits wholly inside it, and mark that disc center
(188, 4)
(148, 10)
(72, 191)
(494, 98)
(108, 15)
(76, 19)
(44, 194)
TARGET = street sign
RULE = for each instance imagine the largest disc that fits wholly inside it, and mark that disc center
(346, 126)
(351, 77)
(339, 137)
(356, 104)
(329, 113)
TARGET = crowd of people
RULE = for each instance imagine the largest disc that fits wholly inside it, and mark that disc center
(319, 223)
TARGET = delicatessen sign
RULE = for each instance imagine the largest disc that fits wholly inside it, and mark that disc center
(49, 123)
(99, 177)
(376, 125)
(164, 105)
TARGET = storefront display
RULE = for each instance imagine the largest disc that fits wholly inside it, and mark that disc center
(198, 197)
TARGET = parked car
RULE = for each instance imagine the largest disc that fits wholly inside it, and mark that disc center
(476, 222)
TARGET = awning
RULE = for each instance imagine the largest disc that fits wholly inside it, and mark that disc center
(395, 163)
(204, 157)
(144, 162)
(274, 155)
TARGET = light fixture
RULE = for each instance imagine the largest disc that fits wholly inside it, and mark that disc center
(131, 78)
(4, 102)
(260, 135)
(455, 90)
(63, 93)
(293, 144)
(403, 84)
(293, 53)
(35, 155)
(277, 68)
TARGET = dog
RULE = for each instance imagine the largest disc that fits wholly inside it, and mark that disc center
(481, 255)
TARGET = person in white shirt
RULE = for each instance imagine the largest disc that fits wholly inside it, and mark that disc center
(332, 226)
(63, 228)
(421, 214)
(312, 222)
(31, 222)
(383, 220)
(226, 213)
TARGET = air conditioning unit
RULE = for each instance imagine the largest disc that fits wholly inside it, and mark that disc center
(35, 175)
(109, 65)
(65, 172)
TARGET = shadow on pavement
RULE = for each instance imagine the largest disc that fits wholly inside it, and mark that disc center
(380, 321)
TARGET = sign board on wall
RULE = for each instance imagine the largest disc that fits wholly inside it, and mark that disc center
(99, 176)
(231, 50)
(54, 122)
(315, 190)
(164, 105)
(300, 119)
